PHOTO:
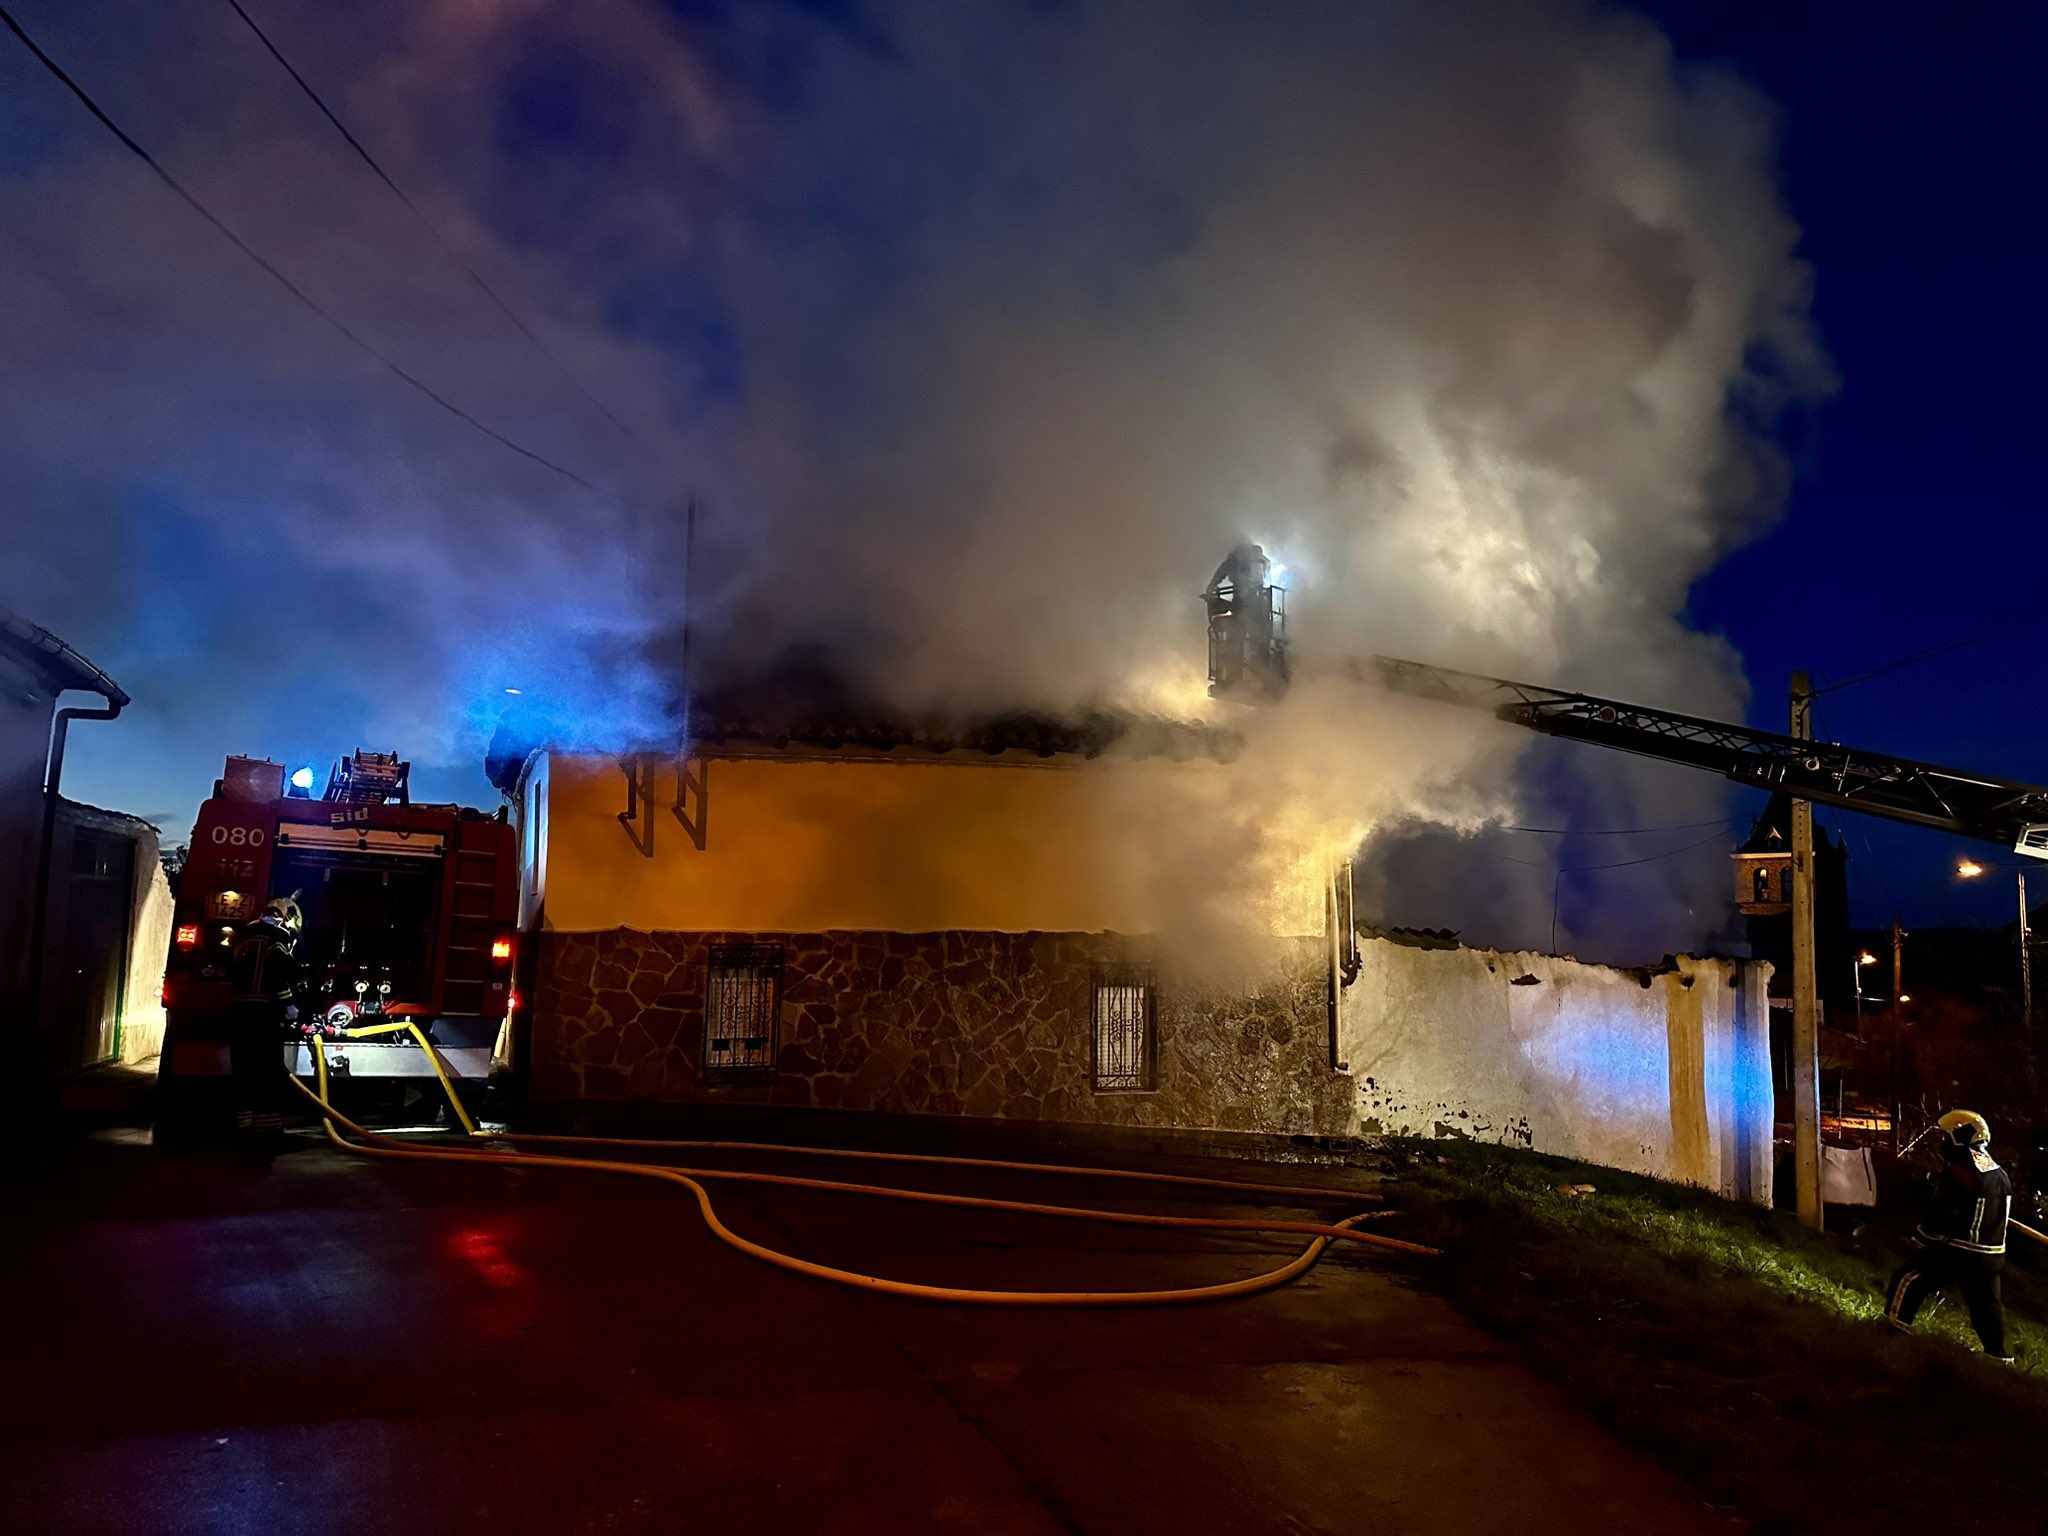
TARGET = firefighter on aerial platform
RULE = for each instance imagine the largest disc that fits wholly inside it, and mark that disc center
(264, 968)
(1961, 1238)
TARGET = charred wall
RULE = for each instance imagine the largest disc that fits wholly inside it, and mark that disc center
(1664, 1071)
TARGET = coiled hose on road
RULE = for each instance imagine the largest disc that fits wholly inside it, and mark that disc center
(369, 1143)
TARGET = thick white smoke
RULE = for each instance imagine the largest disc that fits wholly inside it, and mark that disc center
(982, 331)
(1470, 313)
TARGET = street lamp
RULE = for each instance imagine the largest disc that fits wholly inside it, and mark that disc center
(1856, 976)
(1970, 869)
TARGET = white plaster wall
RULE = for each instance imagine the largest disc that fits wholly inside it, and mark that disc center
(142, 1010)
(1671, 1078)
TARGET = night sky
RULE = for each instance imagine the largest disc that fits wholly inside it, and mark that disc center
(1911, 138)
(1909, 157)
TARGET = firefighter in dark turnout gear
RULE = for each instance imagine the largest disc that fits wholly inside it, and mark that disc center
(264, 968)
(1961, 1238)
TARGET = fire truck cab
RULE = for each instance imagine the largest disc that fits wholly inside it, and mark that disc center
(409, 913)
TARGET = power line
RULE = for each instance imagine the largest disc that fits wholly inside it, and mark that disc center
(1975, 637)
(370, 160)
(1650, 858)
(1557, 878)
(354, 339)
(1677, 826)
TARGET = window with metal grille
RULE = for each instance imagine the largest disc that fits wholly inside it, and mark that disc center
(742, 995)
(1125, 1044)
(92, 855)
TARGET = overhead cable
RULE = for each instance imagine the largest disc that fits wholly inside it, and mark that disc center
(1557, 876)
(356, 340)
(483, 287)
(1961, 642)
(1652, 858)
(1676, 826)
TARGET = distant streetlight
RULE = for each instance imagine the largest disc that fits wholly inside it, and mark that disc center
(1970, 869)
(1856, 976)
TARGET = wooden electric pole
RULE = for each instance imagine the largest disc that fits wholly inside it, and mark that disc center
(1805, 998)
(2026, 962)
(1898, 1026)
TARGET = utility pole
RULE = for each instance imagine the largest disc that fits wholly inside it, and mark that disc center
(1898, 1024)
(1805, 999)
(2026, 961)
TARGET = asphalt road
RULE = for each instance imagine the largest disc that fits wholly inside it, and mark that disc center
(195, 1343)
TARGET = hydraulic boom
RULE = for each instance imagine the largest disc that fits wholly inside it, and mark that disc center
(1975, 805)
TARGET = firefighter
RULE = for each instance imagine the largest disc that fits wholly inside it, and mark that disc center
(265, 970)
(1961, 1238)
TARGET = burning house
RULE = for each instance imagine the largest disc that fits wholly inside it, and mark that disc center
(817, 904)
(842, 913)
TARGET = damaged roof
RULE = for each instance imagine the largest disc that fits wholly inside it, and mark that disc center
(1087, 735)
(808, 709)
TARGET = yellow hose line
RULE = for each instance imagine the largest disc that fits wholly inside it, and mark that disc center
(1132, 1175)
(373, 1145)
(433, 1057)
(1021, 1207)
(2039, 1237)
(1186, 1181)
(1331, 1231)
(441, 1071)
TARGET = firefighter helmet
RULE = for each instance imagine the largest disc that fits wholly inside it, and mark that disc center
(283, 912)
(1966, 1137)
(1965, 1128)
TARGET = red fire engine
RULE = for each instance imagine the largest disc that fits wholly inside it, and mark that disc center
(409, 914)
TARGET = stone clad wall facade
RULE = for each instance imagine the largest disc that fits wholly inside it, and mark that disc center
(953, 1023)
(1664, 1072)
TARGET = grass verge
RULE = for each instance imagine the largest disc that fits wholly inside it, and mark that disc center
(1739, 1347)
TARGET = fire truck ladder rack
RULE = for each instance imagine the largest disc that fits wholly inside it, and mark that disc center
(2003, 811)
(369, 778)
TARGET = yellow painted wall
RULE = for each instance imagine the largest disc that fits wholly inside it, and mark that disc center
(805, 844)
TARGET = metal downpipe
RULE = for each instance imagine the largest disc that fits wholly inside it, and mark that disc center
(39, 917)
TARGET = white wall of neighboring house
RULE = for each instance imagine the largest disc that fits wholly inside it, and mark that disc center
(142, 1009)
(1662, 1072)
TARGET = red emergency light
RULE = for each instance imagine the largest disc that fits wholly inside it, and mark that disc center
(188, 935)
(501, 950)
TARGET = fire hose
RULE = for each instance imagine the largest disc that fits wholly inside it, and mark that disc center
(369, 1143)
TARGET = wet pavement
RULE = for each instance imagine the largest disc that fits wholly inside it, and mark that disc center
(197, 1343)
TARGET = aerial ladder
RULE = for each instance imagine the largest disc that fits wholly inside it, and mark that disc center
(1995, 810)
(1976, 805)
(1248, 659)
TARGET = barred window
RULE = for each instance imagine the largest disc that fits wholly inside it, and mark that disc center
(742, 997)
(1125, 1043)
(97, 856)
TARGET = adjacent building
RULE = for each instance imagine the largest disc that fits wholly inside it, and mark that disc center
(84, 906)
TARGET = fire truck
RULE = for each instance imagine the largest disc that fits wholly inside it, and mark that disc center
(409, 914)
